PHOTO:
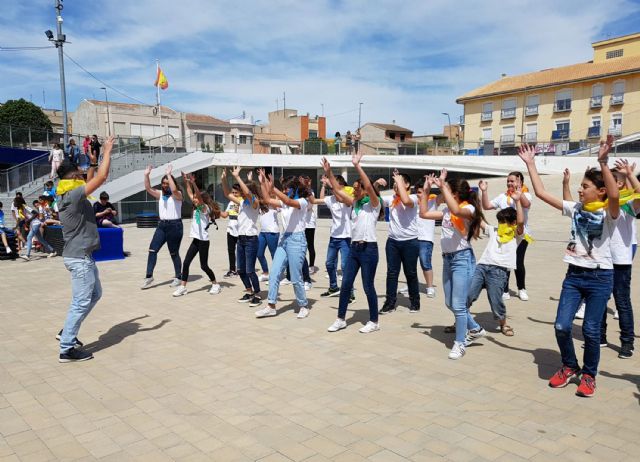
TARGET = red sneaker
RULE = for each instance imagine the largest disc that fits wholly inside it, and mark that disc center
(562, 377)
(587, 386)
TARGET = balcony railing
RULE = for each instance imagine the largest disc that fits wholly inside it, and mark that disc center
(508, 113)
(560, 135)
(507, 139)
(531, 110)
(617, 98)
(593, 132)
(596, 101)
(531, 137)
(562, 105)
(485, 116)
(615, 131)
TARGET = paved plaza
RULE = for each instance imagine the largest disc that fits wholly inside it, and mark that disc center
(200, 378)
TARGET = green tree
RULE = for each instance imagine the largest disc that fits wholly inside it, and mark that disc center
(22, 115)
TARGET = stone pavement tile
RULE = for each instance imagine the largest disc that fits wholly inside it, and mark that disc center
(11, 458)
(324, 446)
(69, 450)
(153, 456)
(275, 457)
(386, 456)
(228, 454)
(485, 450)
(98, 443)
(398, 445)
(11, 422)
(515, 447)
(180, 451)
(426, 456)
(296, 451)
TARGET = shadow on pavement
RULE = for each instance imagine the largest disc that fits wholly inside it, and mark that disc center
(121, 331)
(548, 361)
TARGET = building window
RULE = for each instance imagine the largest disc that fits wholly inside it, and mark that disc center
(531, 136)
(596, 95)
(615, 53)
(594, 129)
(233, 139)
(508, 108)
(508, 135)
(563, 101)
(402, 137)
(243, 139)
(313, 134)
(487, 112)
(615, 128)
(219, 139)
(617, 95)
(200, 137)
(487, 134)
(533, 101)
(562, 130)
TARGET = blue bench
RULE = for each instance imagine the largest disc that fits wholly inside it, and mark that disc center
(111, 244)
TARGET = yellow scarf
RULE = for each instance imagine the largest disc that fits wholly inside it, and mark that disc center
(524, 189)
(348, 190)
(626, 195)
(65, 186)
(506, 232)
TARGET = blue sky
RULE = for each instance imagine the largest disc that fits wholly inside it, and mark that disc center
(406, 61)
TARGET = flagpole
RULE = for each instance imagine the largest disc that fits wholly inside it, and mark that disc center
(158, 99)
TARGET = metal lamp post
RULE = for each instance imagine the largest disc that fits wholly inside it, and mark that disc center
(106, 99)
(59, 42)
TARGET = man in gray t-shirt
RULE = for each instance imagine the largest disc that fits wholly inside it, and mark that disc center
(81, 238)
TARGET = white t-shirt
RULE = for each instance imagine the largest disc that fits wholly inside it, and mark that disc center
(293, 219)
(403, 221)
(269, 221)
(499, 254)
(364, 223)
(427, 228)
(248, 219)
(503, 201)
(450, 238)
(232, 222)
(57, 155)
(199, 231)
(340, 217)
(576, 252)
(622, 238)
(170, 208)
(312, 214)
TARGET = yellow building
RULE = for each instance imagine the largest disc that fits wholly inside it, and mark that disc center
(560, 108)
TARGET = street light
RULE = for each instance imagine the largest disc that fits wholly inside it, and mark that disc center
(449, 119)
(59, 41)
(106, 99)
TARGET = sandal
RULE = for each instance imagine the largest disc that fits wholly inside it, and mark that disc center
(450, 329)
(507, 330)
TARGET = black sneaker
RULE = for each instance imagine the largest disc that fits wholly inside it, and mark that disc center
(387, 308)
(78, 343)
(414, 309)
(230, 274)
(74, 355)
(626, 351)
(255, 301)
(331, 292)
(245, 298)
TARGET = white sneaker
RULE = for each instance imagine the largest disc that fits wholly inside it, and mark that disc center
(8, 250)
(369, 327)
(337, 325)
(457, 351)
(522, 295)
(580, 312)
(263, 278)
(307, 286)
(313, 269)
(403, 290)
(52, 254)
(506, 296)
(25, 257)
(616, 315)
(303, 313)
(182, 290)
(473, 336)
(266, 312)
(175, 283)
(215, 289)
(431, 292)
(285, 282)
(146, 283)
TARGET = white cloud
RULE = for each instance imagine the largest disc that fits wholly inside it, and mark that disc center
(406, 61)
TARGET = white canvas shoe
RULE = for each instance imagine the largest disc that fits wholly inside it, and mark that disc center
(266, 312)
(215, 289)
(175, 283)
(457, 351)
(369, 327)
(337, 325)
(303, 313)
(182, 290)
(522, 295)
(431, 292)
(146, 283)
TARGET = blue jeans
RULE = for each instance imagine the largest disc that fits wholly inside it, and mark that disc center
(35, 232)
(291, 251)
(169, 231)
(246, 253)
(405, 253)
(337, 245)
(594, 286)
(622, 297)
(426, 250)
(85, 293)
(492, 278)
(362, 255)
(266, 240)
(457, 272)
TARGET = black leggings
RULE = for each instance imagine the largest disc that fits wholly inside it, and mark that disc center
(521, 271)
(231, 249)
(310, 234)
(201, 247)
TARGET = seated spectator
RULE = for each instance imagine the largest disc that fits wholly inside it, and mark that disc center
(4, 231)
(35, 222)
(48, 211)
(20, 213)
(105, 212)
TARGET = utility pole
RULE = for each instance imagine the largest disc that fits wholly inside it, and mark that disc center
(59, 42)
(106, 99)
(359, 115)
(284, 101)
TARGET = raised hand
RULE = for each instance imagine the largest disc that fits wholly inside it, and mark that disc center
(261, 176)
(356, 157)
(250, 175)
(624, 166)
(326, 166)
(516, 194)
(236, 171)
(605, 148)
(566, 176)
(443, 175)
(430, 179)
(147, 171)
(169, 169)
(399, 180)
(224, 174)
(483, 185)
(381, 182)
(527, 153)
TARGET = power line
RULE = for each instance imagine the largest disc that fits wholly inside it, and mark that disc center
(104, 83)
(24, 48)
(343, 113)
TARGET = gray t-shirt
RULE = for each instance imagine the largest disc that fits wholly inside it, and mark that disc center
(79, 228)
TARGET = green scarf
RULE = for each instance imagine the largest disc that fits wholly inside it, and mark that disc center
(361, 202)
(199, 210)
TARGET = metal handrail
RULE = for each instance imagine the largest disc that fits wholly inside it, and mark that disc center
(7, 170)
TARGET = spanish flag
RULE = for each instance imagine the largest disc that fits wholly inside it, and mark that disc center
(161, 80)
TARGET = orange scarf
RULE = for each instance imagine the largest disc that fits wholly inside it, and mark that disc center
(396, 200)
(459, 223)
(508, 193)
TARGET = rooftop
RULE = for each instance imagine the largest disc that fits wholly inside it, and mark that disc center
(205, 119)
(390, 127)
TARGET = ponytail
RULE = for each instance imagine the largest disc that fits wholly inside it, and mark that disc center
(465, 193)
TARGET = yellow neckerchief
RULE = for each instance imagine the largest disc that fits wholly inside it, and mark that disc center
(348, 190)
(64, 186)
(509, 192)
(457, 222)
(626, 195)
(506, 232)
(595, 205)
